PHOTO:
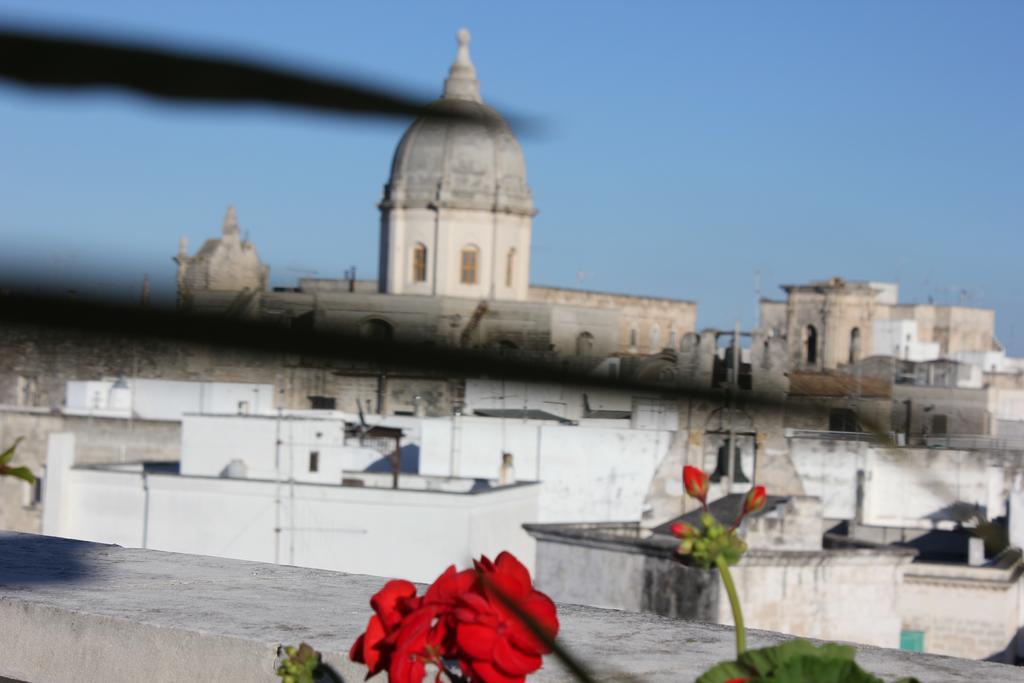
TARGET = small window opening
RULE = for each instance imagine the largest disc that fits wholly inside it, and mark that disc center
(854, 345)
(811, 344)
(314, 461)
(510, 265)
(469, 273)
(584, 344)
(322, 403)
(419, 263)
(843, 420)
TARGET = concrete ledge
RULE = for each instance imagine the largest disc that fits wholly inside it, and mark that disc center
(77, 611)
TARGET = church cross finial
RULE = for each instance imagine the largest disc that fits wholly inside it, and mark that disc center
(462, 83)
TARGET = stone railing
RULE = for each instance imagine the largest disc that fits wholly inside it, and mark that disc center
(83, 612)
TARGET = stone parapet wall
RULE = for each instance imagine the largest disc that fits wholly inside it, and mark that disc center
(84, 612)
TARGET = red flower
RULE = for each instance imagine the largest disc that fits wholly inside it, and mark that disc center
(755, 500)
(682, 530)
(464, 617)
(391, 605)
(696, 483)
(739, 680)
(418, 642)
(495, 645)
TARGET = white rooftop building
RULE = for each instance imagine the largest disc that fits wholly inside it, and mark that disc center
(164, 399)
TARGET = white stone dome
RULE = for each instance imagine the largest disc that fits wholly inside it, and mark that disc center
(446, 162)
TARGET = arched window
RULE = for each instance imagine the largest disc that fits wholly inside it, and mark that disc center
(510, 265)
(419, 263)
(632, 338)
(855, 345)
(584, 344)
(672, 339)
(470, 271)
(376, 329)
(810, 345)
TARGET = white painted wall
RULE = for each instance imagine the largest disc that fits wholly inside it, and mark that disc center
(561, 400)
(898, 338)
(990, 361)
(404, 533)
(159, 399)
(828, 470)
(1006, 404)
(907, 487)
(445, 233)
(567, 402)
(587, 474)
(210, 442)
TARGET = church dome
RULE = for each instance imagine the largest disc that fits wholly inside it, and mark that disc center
(458, 163)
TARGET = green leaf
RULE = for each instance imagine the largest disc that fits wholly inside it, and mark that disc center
(9, 453)
(814, 668)
(22, 473)
(766, 660)
(795, 661)
(724, 671)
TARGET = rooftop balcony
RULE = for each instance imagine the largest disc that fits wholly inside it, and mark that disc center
(77, 611)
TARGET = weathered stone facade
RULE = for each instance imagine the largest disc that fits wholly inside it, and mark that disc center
(962, 611)
(832, 323)
(646, 325)
(227, 264)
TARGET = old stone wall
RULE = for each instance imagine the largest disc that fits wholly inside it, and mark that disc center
(842, 318)
(646, 324)
(971, 612)
(955, 328)
(941, 410)
(625, 575)
(848, 595)
(100, 440)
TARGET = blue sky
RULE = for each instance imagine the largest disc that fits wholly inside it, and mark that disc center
(680, 148)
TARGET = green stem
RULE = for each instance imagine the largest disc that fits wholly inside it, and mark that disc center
(734, 602)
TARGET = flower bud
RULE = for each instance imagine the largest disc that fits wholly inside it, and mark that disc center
(682, 530)
(755, 500)
(696, 483)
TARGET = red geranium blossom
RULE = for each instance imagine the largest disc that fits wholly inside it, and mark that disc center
(391, 604)
(495, 644)
(463, 616)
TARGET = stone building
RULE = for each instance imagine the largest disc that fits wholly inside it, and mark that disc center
(455, 235)
(789, 580)
(228, 264)
(836, 322)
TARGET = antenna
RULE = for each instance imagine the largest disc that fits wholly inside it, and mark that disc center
(757, 299)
